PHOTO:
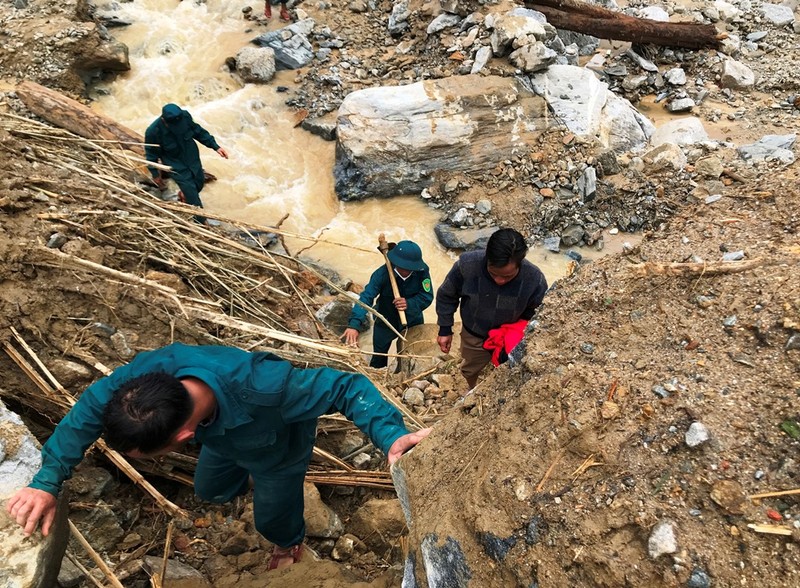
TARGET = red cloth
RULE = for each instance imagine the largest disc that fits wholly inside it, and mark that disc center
(503, 339)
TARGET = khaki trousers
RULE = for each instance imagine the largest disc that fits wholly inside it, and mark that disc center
(473, 357)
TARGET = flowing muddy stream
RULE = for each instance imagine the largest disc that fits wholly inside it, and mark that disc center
(177, 54)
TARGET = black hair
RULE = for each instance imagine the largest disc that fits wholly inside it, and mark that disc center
(145, 412)
(505, 246)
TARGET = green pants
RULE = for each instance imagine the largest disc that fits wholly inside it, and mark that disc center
(277, 493)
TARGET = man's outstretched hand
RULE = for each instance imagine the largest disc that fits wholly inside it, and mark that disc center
(406, 442)
(29, 505)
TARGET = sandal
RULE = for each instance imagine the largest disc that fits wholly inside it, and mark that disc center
(285, 16)
(267, 10)
(283, 557)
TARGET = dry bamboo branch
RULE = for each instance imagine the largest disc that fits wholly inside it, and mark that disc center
(84, 571)
(770, 529)
(652, 268)
(549, 471)
(95, 557)
(773, 494)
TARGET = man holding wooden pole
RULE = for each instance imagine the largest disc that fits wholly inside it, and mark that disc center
(254, 414)
(403, 289)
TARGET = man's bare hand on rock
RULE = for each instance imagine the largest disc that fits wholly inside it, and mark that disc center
(29, 506)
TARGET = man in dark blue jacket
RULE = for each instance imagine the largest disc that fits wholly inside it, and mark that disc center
(254, 414)
(416, 294)
(171, 139)
(493, 288)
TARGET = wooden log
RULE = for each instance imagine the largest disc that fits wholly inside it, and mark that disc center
(64, 112)
(577, 16)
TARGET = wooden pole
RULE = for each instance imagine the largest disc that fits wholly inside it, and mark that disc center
(383, 247)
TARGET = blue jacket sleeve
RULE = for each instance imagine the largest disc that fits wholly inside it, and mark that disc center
(80, 428)
(310, 393)
(368, 296)
(422, 299)
(447, 298)
(203, 136)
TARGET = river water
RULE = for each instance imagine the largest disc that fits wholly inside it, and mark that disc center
(177, 54)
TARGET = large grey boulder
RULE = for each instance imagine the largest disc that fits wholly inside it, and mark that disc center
(588, 109)
(31, 562)
(290, 43)
(392, 140)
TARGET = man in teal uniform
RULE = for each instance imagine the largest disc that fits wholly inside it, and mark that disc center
(416, 294)
(254, 414)
(171, 139)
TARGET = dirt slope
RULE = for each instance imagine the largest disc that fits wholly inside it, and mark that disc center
(575, 455)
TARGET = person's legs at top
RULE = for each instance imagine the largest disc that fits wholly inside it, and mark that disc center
(190, 192)
(267, 10)
(285, 16)
(473, 357)
(382, 339)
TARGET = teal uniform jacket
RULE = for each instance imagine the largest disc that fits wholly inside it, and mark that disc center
(175, 146)
(261, 398)
(416, 289)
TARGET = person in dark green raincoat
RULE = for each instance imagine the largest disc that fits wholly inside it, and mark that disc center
(254, 414)
(416, 294)
(171, 139)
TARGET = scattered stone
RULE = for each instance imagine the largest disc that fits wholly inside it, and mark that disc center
(321, 520)
(256, 64)
(179, 575)
(398, 19)
(572, 235)
(684, 131)
(442, 22)
(770, 148)
(777, 14)
(482, 57)
(697, 435)
(709, 167)
(56, 240)
(676, 76)
(496, 547)
(552, 244)
(730, 495)
(535, 529)
(736, 75)
(483, 206)
(699, 579)
(414, 397)
(666, 156)
(662, 540)
(681, 105)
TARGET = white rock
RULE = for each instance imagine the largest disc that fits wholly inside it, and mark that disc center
(657, 13)
(777, 14)
(683, 131)
(697, 434)
(662, 540)
(736, 75)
